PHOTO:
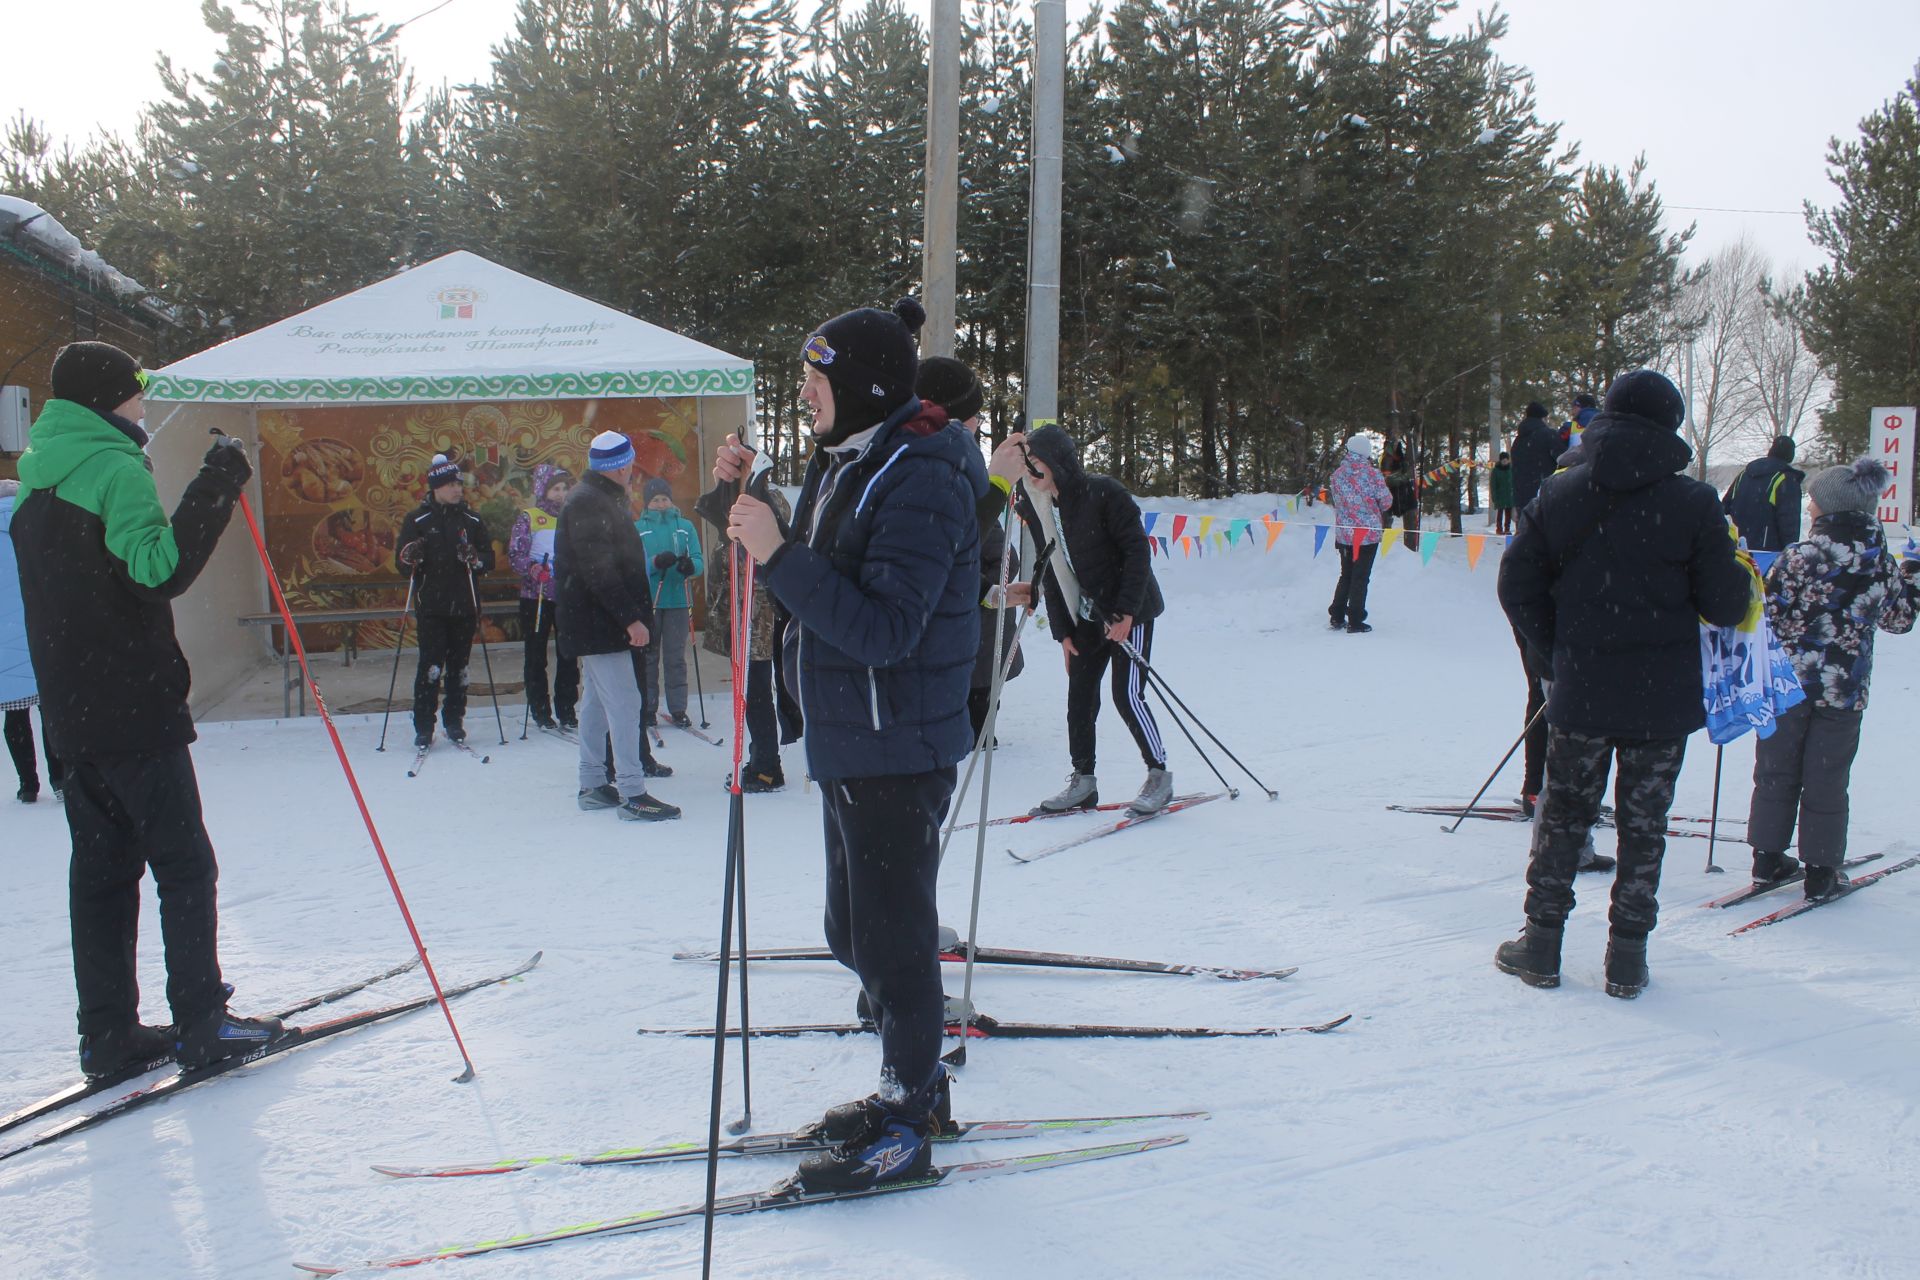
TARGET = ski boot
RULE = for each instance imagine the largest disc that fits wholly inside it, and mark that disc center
(1626, 965)
(759, 781)
(111, 1052)
(1592, 859)
(1533, 957)
(653, 768)
(456, 731)
(1825, 882)
(1528, 802)
(850, 1120)
(1081, 792)
(1772, 868)
(682, 719)
(221, 1035)
(422, 739)
(1358, 628)
(646, 808)
(1155, 794)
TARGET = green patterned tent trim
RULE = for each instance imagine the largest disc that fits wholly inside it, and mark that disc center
(514, 386)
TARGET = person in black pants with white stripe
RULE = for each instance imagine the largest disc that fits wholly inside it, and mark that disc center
(1106, 549)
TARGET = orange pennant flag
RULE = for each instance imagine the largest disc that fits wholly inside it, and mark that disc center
(1387, 538)
(1476, 543)
(1274, 529)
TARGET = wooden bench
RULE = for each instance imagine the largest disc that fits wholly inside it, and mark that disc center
(290, 678)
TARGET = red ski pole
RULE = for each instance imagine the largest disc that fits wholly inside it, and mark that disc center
(293, 637)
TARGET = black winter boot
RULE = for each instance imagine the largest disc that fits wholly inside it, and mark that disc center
(1533, 957)
(1626, 965)
(1773, 868)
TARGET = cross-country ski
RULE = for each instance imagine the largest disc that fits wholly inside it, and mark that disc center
(959, 953)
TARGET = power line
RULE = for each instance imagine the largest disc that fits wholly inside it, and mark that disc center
(1708, 208)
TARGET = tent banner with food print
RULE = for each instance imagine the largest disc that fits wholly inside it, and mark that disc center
(338, 481)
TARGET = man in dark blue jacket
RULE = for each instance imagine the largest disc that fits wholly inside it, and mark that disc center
(878, 587)
(1613, 567)
(1535, 450)
(1764, 500)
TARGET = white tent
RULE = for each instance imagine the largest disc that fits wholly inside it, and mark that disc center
(457, 330)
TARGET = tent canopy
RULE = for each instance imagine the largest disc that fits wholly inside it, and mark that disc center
(459, 328)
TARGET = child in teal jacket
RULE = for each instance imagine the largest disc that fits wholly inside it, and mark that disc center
(673, 557)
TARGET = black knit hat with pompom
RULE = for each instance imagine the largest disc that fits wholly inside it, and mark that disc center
(871, 357)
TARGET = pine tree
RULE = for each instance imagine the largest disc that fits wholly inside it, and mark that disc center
(1861, 313)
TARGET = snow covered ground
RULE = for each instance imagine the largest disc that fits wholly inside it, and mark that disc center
(1753, 1114)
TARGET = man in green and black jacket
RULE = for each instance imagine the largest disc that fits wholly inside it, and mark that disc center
(99, 563)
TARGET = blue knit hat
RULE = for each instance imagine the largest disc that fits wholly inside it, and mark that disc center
(655, 487)
(443, 471)
(611, 451)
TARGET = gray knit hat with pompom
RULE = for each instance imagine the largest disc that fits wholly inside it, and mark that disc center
(1856, 487)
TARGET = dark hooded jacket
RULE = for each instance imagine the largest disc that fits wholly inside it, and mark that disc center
(1535, 449)
(599, 570)
(1611, 570)
(1105, 543)
(100, 563)
(878, 587)
(1764, 502)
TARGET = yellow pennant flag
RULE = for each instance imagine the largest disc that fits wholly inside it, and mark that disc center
(1274, 528)
(1206, 525)
(1388, 537)
(1476, 543)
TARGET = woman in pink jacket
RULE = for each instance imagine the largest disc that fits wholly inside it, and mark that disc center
(1360, 503)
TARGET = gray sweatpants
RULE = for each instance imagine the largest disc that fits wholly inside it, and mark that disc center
(610, 704)
(668, 650)
(1801, 772)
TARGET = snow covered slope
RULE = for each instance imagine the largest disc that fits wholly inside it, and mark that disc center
(1753, 1114)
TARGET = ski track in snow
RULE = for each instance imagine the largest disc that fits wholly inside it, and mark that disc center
(1752, 1114)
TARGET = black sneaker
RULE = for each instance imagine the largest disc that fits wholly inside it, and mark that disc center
(1825, 882)
(221, 1035)
(137, 1047)
(599, 798)
(654, 769)
(647, 808)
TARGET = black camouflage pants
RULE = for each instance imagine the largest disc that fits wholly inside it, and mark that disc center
(1576, 782)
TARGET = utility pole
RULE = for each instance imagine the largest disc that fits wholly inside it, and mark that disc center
(941, 237)
(1043, 227)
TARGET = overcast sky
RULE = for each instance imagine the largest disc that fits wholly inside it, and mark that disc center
(1731, 101)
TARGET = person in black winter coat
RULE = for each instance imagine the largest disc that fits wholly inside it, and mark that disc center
(877, 583)
(1764, 499)
(443, 544)
(1615, 563)
(1535, 449)
(954, 387)
(604, 611)
(1106, 547)
(100, 563)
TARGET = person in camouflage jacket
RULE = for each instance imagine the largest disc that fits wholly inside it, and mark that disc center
(1826, 597)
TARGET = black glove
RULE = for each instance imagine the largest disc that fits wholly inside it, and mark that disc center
(685, 565)
(664, 561)
(228, 460)
(410, 554)
(469, 557)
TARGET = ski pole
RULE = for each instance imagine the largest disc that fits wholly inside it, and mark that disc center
(480, 629)
(693, 650)
(1713, 821)
(527, 713)
(353, 783)
(1496, 770)
(1233, 792)
(393, 681)
(985, 749)
(1167, 690)
(744, 647)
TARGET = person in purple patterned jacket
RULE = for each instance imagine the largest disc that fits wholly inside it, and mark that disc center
(530, 551)
(1360, 503)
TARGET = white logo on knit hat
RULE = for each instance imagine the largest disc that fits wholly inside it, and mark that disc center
(878, 390)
